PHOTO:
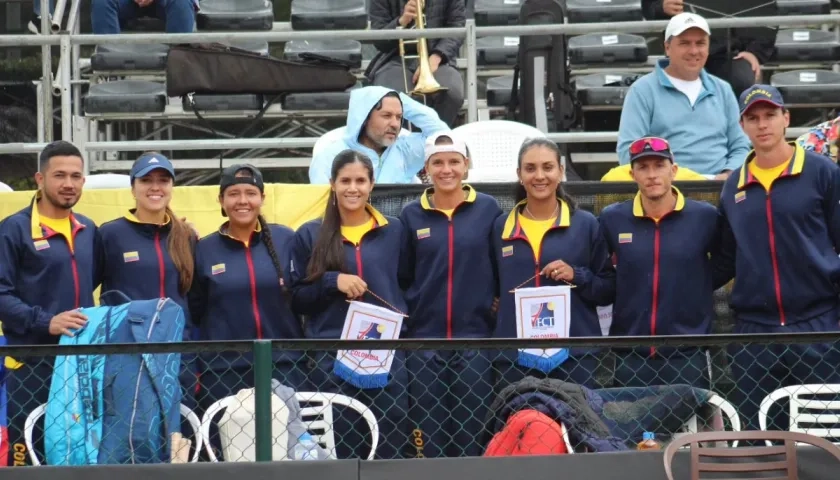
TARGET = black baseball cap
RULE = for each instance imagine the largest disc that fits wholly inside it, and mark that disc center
(229, 178)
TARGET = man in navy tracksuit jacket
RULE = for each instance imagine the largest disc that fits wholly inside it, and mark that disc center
(664, 240)
(48, 270)
(780, 216)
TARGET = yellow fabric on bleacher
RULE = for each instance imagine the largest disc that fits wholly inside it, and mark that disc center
(287, 204)
(621, 173)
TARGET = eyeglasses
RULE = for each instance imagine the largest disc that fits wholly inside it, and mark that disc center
(656, 144)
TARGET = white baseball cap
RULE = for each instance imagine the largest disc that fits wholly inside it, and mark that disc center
(457, 146)
(682, 22)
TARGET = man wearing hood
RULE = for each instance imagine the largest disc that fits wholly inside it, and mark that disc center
(374, 122)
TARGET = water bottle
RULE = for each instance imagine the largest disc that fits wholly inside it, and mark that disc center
(648, 442)
(306, 448)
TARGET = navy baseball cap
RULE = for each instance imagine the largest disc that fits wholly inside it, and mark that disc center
(148, 162)
(760, 94)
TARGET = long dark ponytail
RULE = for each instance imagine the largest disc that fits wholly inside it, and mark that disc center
(328, 252)
(538, 142)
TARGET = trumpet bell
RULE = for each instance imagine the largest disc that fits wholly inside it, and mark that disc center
(427, 85)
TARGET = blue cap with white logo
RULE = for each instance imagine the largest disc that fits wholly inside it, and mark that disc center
(149, 162)
(760, 94)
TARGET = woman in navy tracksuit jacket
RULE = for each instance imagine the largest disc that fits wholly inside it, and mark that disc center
(148, 253)
(571, 250)
(353, 252)
(240, 289)
(447, 266)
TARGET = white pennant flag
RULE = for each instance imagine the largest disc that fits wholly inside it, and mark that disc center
(543, 312)
(367, 368)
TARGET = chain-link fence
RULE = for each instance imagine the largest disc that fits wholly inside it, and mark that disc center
(251, 401)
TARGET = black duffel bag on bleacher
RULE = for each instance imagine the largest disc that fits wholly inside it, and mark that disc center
(220, 69)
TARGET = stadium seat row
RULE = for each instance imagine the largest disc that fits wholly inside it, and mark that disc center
(606, 90)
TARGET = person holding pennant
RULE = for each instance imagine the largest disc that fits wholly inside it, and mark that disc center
(345, 280)
(239, 290)
(554, 270)
(447, 264)
(656, 238)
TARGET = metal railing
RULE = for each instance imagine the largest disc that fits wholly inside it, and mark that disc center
(470, 32)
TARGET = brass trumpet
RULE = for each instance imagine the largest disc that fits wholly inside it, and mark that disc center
(426, 83)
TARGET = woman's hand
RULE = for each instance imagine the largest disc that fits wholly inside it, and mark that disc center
(351, 285)
(559, 270)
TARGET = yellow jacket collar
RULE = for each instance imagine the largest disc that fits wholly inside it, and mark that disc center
(224, 229)
(427, 195)
(513, 229)
(379, 219)
(794, 167)
(37, 230)
(639, 211)
(131, 217)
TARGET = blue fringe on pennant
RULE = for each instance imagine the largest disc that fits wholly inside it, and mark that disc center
(542, 363)
(360, 380)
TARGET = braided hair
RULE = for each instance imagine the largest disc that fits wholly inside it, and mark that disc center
(265, 233)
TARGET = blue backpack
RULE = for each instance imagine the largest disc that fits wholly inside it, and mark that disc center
(112, 409)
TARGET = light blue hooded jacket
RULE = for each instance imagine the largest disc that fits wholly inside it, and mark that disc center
(401, 161)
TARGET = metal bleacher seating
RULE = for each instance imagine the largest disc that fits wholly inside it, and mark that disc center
(607, 48)
(235, 15)
(803, 45)
(497, 52)
(325, 15)
(603, 90)
(139, 69)
(803, 7)
(808, 87)
(329, 15)
(600, 11)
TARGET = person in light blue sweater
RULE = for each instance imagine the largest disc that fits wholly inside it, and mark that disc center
(374, 121)
(696, 112)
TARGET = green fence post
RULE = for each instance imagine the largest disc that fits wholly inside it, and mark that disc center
(262, 403)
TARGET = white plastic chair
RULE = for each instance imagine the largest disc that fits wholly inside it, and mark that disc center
(812, 408)
(107, 180)
(494, 146)
(35, 415)
(337, 134)
(317, 416)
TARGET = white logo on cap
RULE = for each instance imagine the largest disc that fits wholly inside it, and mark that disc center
(153, 160)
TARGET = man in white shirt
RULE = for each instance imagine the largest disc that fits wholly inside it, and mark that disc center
(695, 112)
